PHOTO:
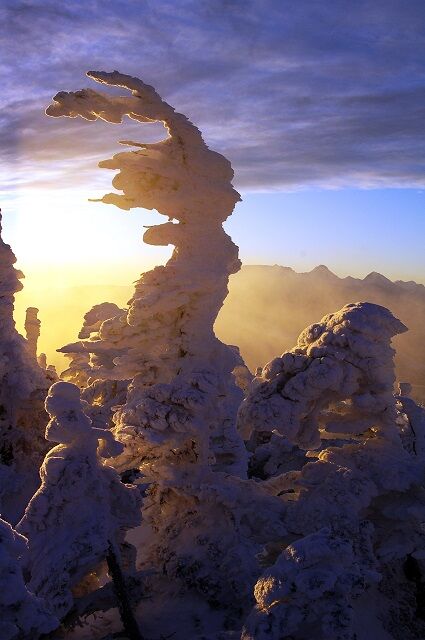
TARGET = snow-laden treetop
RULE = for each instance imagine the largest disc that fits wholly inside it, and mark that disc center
(347, 355)
(174, 176)
(10, 283)
(167, 335)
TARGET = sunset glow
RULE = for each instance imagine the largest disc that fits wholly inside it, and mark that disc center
(212, 304)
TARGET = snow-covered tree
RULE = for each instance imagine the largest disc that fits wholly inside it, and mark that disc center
(411, 420)
(22, 614)
(23, 387)
(167, 333)
(355, 514)
(327, 529)
(81, 510)
(202, 528)
(32, 330)
(101, 393)
(82, 367)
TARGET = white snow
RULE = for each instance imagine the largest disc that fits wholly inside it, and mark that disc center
(296, 512)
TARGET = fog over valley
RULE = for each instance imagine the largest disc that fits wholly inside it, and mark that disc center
(266, 309)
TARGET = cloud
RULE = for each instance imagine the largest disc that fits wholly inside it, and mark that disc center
(295, 94)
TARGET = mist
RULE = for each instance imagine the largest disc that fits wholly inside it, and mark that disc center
(268, 306)
(266, 309)
(62, 309)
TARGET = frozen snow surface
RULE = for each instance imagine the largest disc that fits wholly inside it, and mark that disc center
(186, 498)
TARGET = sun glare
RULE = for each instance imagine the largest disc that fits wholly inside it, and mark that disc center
(58, 227)
(74, 254)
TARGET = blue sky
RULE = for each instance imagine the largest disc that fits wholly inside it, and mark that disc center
(320, 106)
(352, 231)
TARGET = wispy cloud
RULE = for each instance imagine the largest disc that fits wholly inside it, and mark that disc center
(295, 94)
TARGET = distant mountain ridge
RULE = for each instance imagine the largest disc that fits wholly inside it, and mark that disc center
(372, 278)
(268, 306)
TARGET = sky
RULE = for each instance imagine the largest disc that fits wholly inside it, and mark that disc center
(320, 106)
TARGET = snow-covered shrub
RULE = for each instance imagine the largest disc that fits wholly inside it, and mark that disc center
(81, 508)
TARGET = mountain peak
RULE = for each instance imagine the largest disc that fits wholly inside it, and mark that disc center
(376, 278)
(323, 270)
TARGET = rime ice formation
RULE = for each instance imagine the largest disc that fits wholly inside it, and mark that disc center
(167, 336)
(10, 284)
(339, 502)
(23, 386)
(101, 394)
(204, 536)
(411, 421)
(345, 356)
(22, 615)
(42, 361)
(81, 508)
(178, 420)
(80, 370)
(281, 302)
(330, 532)
(271, 454)
(354, 515)
(32, 330)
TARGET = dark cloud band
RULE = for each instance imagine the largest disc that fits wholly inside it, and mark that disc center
(295, 94)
